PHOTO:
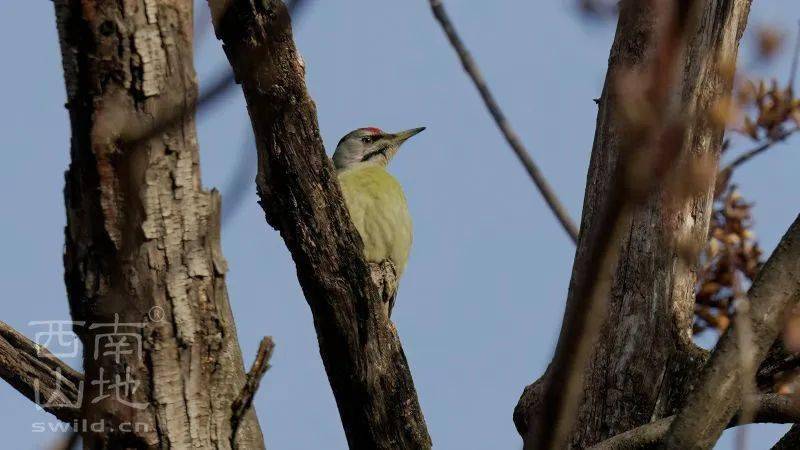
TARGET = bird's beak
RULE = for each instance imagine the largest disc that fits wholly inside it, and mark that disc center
(403, 136)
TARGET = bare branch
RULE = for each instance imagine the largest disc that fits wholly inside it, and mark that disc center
(717, 397)
(38, 375)
(359, 345)
(513, 139)
(244, 401)
(770, 408)
(750, 154)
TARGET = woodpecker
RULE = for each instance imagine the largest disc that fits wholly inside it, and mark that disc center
(374, 197)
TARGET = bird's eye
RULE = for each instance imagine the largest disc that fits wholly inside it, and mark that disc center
(366, 139)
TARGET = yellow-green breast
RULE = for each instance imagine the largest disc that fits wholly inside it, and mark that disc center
(379, 211)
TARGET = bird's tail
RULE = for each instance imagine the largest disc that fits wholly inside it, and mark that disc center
(384, 275)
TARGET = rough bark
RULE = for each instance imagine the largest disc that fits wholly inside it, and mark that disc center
(38, 375)
(142, 236)
(360, 348)
(719, 390)
(644, 362)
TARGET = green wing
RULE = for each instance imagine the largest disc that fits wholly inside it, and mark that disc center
(379, 211)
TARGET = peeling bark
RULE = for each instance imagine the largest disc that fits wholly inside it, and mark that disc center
(359, 345)
(142, 236)
(645, 361)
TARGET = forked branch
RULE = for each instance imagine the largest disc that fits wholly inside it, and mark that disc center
(717, 397)
(771, 408)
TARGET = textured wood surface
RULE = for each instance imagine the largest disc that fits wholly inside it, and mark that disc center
(644, 360)
(359, 345)
(142, 236)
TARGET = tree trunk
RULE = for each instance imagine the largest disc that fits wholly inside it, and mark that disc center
(143, 237)
(296, 182)
(644, 361)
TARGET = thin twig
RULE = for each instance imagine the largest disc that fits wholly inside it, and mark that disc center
(750, 154)
(471, 67)
(244, 401)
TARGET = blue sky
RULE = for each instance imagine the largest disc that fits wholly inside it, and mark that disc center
(481, 301)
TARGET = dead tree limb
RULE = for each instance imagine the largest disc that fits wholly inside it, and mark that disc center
(726, 172)
(142, 258)
(717, 397)
(360, 348)
(244, 401)
(647, 330)
(513, 139)
(38, 375)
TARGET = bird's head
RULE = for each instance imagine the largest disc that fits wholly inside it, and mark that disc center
(369, 146)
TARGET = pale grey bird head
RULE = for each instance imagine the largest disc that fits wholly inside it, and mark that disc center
(371, 146)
